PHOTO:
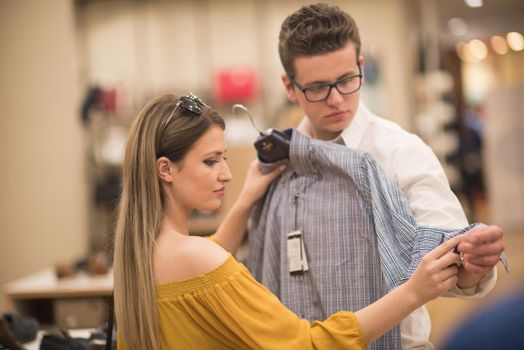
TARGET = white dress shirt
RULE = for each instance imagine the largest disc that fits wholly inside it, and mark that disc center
(413, 166)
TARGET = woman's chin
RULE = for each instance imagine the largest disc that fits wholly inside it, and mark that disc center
(211, 207)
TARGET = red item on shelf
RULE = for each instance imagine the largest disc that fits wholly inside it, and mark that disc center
(235, 85)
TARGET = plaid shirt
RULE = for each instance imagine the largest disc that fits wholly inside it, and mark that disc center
(360, 236)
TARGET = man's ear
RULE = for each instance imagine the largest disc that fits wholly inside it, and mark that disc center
(290, 88)
(164, 169)
(361, 62)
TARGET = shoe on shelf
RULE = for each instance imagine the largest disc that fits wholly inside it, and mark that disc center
(98, 338)
(24, 328)
(7, 338)
(60, 339)
(95, 264)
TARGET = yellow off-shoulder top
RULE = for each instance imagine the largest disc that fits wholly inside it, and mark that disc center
(227, 308)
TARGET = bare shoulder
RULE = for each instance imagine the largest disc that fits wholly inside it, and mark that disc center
(187, 258)
(203, 255)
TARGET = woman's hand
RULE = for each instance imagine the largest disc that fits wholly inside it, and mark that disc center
(233, 228)
(256, 183)
(436, 273)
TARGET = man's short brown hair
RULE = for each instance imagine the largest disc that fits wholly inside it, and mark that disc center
(315, 29)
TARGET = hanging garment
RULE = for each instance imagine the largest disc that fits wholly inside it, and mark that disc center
(359, 235)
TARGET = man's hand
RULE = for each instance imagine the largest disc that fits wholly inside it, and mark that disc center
(481, 248)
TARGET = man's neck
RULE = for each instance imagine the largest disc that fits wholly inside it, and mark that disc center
(324, 136)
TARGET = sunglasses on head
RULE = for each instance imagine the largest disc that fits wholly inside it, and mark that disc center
(190, 103)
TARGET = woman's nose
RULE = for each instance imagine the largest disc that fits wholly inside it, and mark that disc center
(225, 174)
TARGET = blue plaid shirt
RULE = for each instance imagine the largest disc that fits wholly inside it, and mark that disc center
(360, 236)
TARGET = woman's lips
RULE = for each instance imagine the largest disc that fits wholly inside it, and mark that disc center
(220, 191)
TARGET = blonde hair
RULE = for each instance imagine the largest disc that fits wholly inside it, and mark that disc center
(161, 129)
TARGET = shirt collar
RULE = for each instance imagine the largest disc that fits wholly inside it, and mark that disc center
(353, 134)
(350, 136)
(300, 155)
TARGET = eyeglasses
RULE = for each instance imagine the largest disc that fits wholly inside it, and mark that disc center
(320, 92)
(188, 102)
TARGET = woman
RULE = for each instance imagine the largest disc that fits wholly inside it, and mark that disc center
(173, 290)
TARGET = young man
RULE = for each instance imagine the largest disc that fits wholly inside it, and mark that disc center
(319, 46)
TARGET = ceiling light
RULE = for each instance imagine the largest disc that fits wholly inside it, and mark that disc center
(478, 49)
(499, 45)
(463, 52)
(457, 26)
(515, 41)
(474, 3)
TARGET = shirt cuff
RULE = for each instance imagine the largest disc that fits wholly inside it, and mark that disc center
(482, 288)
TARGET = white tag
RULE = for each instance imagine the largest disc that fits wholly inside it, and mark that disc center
(296, 252)
(305, 265)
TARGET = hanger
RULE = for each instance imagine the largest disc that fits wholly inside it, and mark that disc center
(271, 145)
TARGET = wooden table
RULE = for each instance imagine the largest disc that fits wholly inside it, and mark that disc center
(74, 302)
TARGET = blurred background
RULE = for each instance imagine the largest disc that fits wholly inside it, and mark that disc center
(73, 75)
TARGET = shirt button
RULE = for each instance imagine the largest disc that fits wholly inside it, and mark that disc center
(299, 278)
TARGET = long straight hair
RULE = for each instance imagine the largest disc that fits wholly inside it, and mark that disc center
(161, 129)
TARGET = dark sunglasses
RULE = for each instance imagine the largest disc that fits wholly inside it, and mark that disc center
(190, 103)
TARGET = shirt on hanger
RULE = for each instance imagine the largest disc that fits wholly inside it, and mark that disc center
(359, 234)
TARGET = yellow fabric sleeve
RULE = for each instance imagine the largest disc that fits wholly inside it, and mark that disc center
(213, 238)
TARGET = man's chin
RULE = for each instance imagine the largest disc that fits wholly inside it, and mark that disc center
(327, 134)
(337, 128)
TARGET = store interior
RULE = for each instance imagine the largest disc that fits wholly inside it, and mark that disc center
(76, 73)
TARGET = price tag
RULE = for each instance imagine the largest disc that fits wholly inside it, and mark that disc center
(296, 252)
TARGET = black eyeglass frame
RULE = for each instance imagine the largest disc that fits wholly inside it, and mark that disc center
(189, 102)
(330, 85)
